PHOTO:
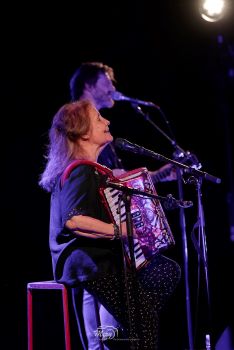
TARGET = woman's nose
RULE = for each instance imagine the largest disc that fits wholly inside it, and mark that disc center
(105, 121)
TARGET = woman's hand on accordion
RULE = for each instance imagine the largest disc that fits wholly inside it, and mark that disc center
(89, 227)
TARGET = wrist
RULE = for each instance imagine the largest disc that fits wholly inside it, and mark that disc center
(116, 232)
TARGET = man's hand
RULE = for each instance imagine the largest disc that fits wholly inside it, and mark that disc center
(166, 173)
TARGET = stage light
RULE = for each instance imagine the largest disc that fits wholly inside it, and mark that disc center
(212, 10)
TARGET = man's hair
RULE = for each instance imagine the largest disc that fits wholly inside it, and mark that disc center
(87, 73)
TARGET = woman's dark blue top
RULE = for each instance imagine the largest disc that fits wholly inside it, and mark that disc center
(76, 258)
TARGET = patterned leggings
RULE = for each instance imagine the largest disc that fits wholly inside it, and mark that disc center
(136, 304)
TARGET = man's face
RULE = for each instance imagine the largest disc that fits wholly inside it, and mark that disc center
(101, 92)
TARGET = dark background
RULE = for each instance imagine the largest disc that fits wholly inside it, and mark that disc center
(161, 51)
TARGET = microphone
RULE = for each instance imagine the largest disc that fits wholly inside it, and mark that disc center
(118, 96)
(128, 146)
(134, 148)
(131, 147)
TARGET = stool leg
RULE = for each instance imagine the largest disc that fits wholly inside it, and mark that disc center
(66, 319)
(30, 320)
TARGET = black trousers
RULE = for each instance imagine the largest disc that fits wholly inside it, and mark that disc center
(136, 301)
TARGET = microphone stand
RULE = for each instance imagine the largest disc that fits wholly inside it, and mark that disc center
(126, 198)
(127, 192)
(201, 247)
(186, 261)
(180, 153)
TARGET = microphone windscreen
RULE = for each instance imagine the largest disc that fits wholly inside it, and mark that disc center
(117, 96)
(119, 143)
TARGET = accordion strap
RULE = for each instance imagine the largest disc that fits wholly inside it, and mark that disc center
(100, 168)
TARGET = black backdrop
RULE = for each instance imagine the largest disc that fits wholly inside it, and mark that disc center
(160, 51)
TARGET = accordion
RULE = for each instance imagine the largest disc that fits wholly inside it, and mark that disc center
(152, 231)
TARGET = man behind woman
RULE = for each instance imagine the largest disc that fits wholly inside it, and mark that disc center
(95, 81)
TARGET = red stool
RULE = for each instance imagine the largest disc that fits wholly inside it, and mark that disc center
(47, 285)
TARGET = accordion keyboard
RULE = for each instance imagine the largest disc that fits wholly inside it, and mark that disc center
(112, 196)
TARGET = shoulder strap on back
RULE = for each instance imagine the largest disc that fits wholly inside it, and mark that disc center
(100, 168)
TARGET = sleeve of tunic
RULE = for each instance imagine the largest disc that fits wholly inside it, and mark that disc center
(79, 195)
